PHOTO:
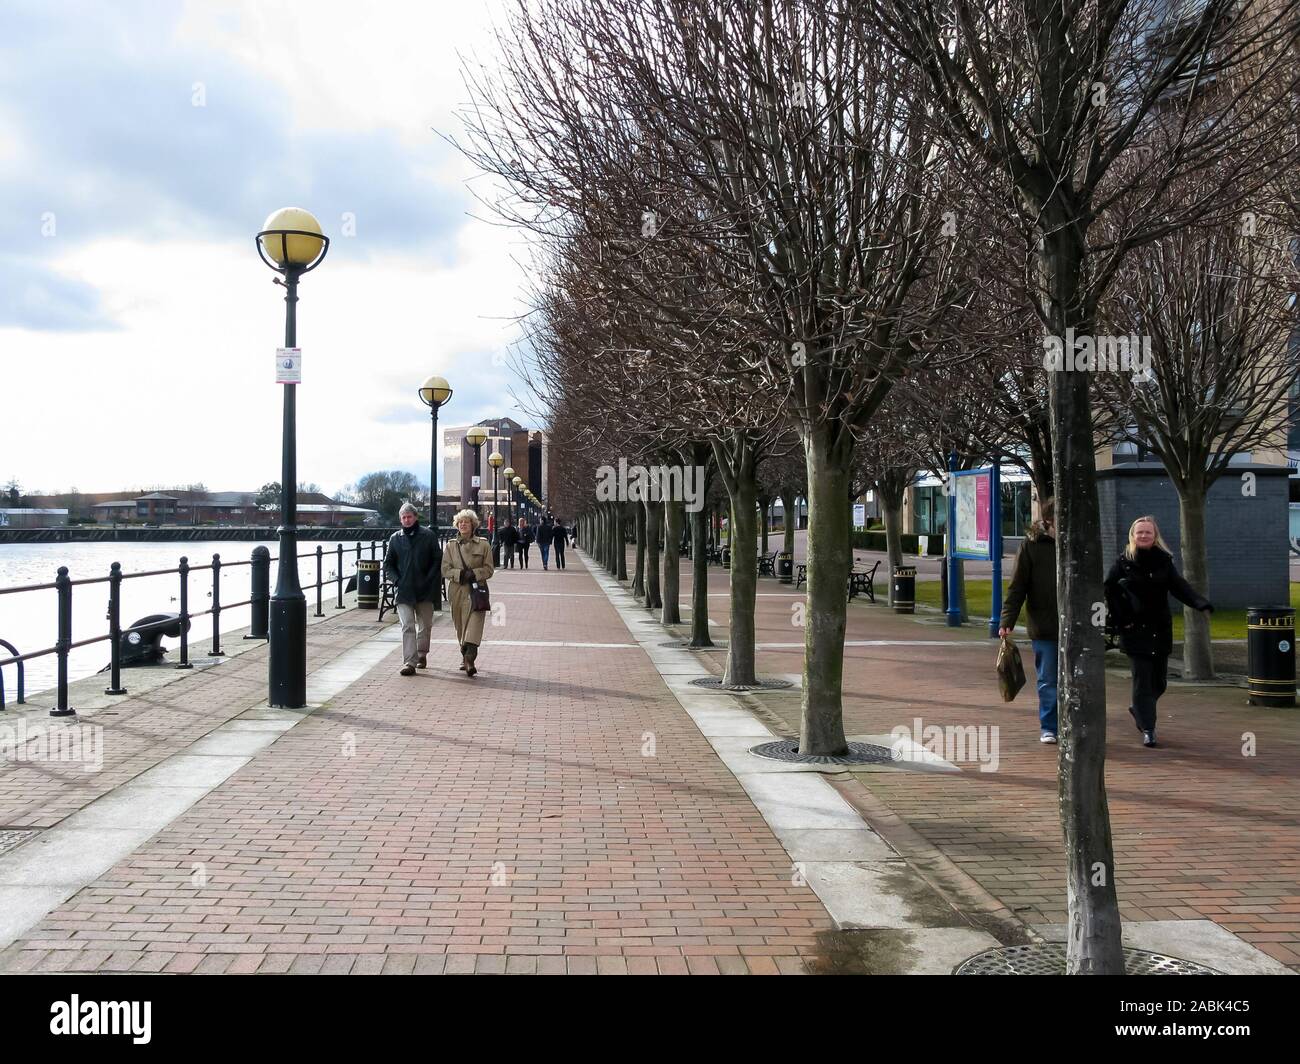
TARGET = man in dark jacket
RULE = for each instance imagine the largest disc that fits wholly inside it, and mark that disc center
(413, 565)
(559, 536)
(1034, 585)
(525, 541)
(509, 536)
(545, 533)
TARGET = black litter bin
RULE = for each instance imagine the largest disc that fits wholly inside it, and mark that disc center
(785, 567)
(367, 584)
(1270, 655)
(904, 595)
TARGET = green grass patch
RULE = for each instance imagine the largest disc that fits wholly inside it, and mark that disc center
(1224, 624)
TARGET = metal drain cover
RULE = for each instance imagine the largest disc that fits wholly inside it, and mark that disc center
(714, 683)
(11, 837)
(859, 754)
(1048, 958)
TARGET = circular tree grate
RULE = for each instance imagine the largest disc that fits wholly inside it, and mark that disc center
(714, 683)
(859, 754)
(1048, 958)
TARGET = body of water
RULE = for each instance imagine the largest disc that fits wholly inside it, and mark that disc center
(29, 620)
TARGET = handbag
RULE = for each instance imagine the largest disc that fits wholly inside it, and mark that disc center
(1011, 670)
(478, 593)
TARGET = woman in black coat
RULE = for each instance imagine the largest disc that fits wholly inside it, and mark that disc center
(1137, 596)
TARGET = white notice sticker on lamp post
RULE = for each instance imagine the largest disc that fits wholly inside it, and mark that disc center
(288, 365)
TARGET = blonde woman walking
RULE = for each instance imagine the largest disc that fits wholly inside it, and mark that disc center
(1137, 596)
(466, 561)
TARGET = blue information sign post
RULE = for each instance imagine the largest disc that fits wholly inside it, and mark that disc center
(974, 531)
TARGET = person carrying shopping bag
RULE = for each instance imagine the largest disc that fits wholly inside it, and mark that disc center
(467, 566)
(1033, 584)
(1137, 595)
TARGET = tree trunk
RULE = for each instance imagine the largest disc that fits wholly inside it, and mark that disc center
(620, 540)
(699, 580)
(672, 589)
(787, 522)
(891, 502)
(821, 730)
(1093, 933)
(1198, 651)
(654, 515)
(638, 576)
(743, 541)
(763, 505)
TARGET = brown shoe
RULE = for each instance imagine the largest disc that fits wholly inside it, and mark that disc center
(408, 670)
(422, 663)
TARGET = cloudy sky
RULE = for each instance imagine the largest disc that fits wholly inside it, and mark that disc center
(143, 144)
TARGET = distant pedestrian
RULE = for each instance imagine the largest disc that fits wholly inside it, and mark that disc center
(558, 537)
(1034, 584)
(525, 541)
(545, 533)
(509, 537)
(411, 567)
(467, 559)
(1137, 595)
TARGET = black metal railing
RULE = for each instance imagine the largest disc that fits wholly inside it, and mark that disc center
(258, 601)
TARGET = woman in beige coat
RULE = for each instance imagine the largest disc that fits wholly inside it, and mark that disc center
(466, 551)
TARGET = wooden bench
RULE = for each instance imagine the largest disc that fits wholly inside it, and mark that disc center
(860, 582)
(864, 583)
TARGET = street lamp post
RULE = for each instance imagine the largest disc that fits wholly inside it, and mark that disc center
(495, 460)
(476, 437)
(291, 243)
(517, 481)
(434, 393)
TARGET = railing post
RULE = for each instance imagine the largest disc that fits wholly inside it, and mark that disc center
(64, 587)
(372, 550)
(339, 604)
(260, 594)
(319, 551)
(184, 570)
(115, 630)
(216, 651)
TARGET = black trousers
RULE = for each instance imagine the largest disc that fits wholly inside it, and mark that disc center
(509, 555)
(523, 554)
(1150, 677)
(559, 555)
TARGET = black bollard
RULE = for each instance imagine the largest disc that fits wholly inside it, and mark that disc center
(319, 550)
(260, 595)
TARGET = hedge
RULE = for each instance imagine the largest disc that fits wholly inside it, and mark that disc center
(908, 541)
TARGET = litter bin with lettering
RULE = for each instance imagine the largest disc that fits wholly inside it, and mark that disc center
(904, 593)
(785, 567)
(368, 584)
(1270, 655)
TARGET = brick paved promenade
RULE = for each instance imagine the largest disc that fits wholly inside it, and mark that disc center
(563, 813)
(436, 824)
